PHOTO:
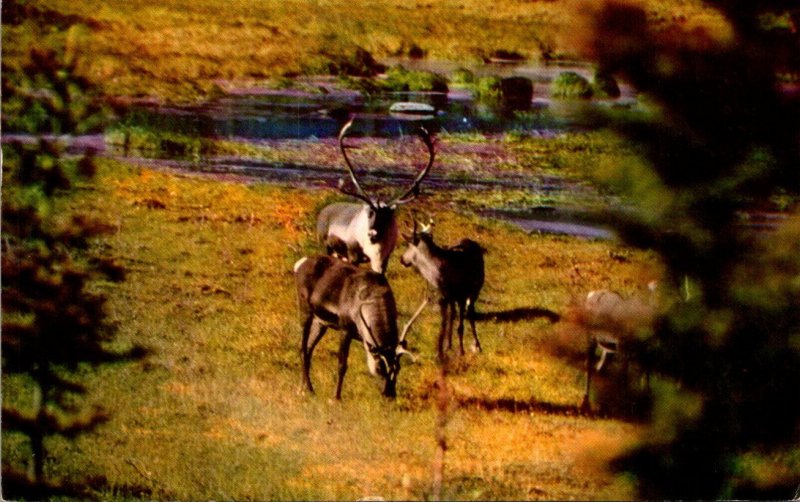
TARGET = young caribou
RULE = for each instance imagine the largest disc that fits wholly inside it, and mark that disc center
(368, 231)
(335, 294)
(456, 272)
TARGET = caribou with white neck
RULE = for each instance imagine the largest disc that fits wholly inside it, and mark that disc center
(368, 231)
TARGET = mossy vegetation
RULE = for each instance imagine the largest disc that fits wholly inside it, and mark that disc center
(571, 85)
(150, 142)
(488, 88)
(401, 79)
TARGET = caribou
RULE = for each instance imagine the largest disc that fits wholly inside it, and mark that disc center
(360, 303)
(457, 273)
(613, 324)
(367, 231)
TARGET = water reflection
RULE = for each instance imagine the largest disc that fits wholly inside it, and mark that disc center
(294, 115)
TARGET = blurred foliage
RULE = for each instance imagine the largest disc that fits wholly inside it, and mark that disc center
(401, 79)
(570, 85)
(724, 146)
(488, 88)
(509, 94)
(53, 324)
(462, 76)
(47, 96)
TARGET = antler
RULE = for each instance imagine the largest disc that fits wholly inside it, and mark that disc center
(359, 193)
(412, 192)
(414, 318)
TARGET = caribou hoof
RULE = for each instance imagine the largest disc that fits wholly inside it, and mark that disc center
(476, 349)
(586, 408)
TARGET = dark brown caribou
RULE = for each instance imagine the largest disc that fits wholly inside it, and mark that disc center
(456, 272)
(360, 303)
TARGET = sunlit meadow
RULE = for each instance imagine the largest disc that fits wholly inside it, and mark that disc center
(216, 411)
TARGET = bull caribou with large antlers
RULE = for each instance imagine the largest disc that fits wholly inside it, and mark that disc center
(368, 231)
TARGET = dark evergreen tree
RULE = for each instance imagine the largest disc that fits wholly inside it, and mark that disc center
(53, 325)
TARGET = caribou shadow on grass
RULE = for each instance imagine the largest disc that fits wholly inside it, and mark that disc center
(627, 405)
(17, 486)
(519, 314)
(514, 405)
(518, 406)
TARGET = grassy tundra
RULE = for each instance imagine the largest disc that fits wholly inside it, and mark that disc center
(216, 410)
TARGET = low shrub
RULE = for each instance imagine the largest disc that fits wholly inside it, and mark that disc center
(505, 55)
(512, 92)
(517, 92)
(365, 85)
(401, 79)
(488, 88)
(462, 76)
(570, 85)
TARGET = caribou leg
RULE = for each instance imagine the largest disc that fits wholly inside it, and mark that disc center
(591, 347)
(313, 331)
(471, 317)
(305, 360)
(461, 312)
(451, 324)
(344, 352)
(443, 329)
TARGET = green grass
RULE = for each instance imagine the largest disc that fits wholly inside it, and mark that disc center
(215, 412)
(149, 142)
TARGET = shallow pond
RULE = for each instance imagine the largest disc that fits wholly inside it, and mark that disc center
(322, 106)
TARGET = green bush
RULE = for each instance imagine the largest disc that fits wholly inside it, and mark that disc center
(462, 76)
(54, 321)
(488, 88)
(512, 92)
(367, 86)
(48, 96)
(150, 142)
(401, 79)
(570, 85)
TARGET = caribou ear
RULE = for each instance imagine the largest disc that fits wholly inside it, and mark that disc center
(402, 350)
